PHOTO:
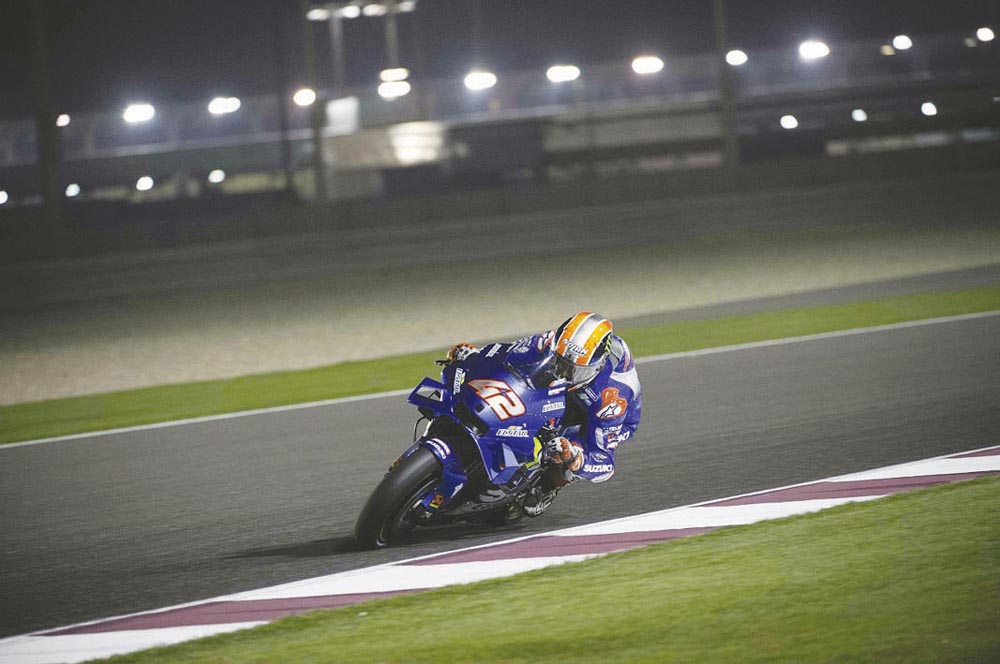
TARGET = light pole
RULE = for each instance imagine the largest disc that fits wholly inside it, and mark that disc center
(316, 112)
(726, 103)
(45, 121)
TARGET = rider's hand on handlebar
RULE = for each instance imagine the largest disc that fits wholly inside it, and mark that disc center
(460, 351)
(562, 451)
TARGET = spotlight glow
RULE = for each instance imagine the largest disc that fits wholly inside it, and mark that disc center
(394, 74)
(135, 113)
(928, 108)
(350, 11)
(985, 34)
(72, 190)
(3, 197)
(374, 10)
(813, 49)
(859, 115)
(902, 42)
(406, 5)
(145, 183)
(304, 97)
(789, 122)
(217, 176)
(224, 105)
(887, 49)
(393, 89)
(480, 80)
(562, 73)
(63, 120)
(318, 14)
(737, 57)
(647, 64)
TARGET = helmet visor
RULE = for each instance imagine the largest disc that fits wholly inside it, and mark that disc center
(576, 374)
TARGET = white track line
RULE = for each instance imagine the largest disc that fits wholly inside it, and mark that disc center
(38, 649)
(395, 393)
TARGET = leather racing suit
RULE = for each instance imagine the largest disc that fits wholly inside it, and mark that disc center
(600, 414)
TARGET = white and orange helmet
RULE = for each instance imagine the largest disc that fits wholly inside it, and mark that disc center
(581, 346)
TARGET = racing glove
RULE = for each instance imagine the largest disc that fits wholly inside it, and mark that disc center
(460, 351)
(561, 450)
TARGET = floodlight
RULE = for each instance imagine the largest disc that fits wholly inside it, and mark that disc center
(902, 42)
(985, 34)
(859, 115)
(647, 64)
(374, 10)
(145, 183)
(318, 14)
(217, 176)
(394, 89)
(928, 108)
(62, 120)
(72, 190)
(480, 80)
(350, 11)
(394, 74)
(304, 97)
(887, 49)
(737, 57)
(138, 113)
(789, 122)
(813, 49)
(563, 73)
(224, 105)
(406, 5)
(3, 197)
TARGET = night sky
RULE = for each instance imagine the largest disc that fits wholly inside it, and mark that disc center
(105, 53)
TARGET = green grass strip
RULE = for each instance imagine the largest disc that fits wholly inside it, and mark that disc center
(98, 412)
(910, 578)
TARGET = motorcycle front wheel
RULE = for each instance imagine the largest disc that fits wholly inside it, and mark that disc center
(389, 512)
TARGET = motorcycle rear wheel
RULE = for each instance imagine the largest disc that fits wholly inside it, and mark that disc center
(387, 514)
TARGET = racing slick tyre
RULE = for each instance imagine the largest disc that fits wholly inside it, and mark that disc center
(393, 505)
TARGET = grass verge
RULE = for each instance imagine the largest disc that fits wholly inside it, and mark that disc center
(914, 577)
(98, 412)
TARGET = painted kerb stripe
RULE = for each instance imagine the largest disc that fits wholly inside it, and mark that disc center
(395, 393)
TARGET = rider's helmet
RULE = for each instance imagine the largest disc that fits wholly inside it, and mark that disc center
(580, 346)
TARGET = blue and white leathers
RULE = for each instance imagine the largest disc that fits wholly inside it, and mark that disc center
(601, 414)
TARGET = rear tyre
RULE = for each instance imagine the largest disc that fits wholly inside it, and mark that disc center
(389, 511)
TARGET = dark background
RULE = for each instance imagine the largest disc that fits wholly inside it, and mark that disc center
(105, 53)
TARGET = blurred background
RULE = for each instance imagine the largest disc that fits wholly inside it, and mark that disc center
(122, 113)
(151, 152)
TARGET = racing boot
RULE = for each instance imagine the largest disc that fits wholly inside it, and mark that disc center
(538, 500)
(541, 496)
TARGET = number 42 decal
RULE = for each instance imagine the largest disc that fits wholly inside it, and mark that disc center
(499, 396)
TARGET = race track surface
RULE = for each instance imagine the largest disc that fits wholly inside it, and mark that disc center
(121, 523)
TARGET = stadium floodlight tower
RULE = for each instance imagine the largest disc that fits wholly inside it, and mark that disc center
(334, 13)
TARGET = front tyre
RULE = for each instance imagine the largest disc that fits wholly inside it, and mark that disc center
(390, 509)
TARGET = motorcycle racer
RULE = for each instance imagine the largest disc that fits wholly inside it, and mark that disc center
(603, 395)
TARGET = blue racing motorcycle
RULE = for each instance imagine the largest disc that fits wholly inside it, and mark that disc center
(481, 454)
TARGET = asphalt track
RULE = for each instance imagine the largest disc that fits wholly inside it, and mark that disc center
(121, 523)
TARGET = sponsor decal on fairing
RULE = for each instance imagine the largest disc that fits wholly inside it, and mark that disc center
(459, 379)
(494, 349)
(554, 405)
(513, 432)
(439, 447)
(521, 345)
